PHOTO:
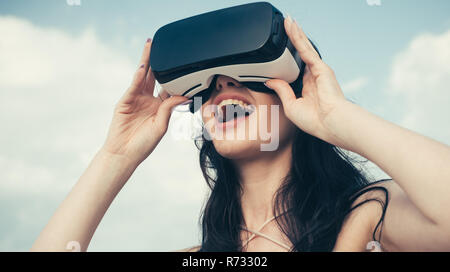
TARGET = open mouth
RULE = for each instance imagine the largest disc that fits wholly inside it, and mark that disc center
(232, 109)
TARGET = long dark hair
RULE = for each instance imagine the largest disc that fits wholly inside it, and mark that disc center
(313, 200)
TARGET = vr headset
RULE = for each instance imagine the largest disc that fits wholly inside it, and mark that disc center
(247, 43)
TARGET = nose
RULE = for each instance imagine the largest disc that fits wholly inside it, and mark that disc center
(223, 81)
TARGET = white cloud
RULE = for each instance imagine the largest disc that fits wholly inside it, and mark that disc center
(354, 85)
(420, 81)
(57, 93)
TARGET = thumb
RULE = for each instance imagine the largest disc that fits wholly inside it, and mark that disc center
(165, 109)
(283, 90)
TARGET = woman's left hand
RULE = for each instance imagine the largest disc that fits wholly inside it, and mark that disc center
(321, 93)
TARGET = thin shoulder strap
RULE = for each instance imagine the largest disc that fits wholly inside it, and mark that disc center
(258, 233)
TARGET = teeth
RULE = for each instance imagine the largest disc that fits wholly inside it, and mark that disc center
(232, 101)
(248, 109)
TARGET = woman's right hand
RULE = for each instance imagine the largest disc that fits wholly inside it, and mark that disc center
(140, 119)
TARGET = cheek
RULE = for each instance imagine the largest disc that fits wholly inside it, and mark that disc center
(207, 115)
(286, 127)
(273, 123)
(265, 124)
(271, 115)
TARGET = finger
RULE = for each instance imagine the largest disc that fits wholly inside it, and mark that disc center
(140, 75)
(164, 94)
(165, 109)
(307, 76)
(146, 54)
(130, 94)
(300, 40)
(304, 47)
(283, 90)
(308, 84)
(149, 83)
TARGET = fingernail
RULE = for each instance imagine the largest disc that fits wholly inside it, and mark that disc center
(142, 66)
(291, 23)
(187, 102)
(149, 40)
(289, 18)
(265, 84)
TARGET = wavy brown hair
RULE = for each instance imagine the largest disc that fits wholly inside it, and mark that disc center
(313, 200)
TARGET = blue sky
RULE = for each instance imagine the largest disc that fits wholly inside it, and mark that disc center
(62, 68)
(350, 34)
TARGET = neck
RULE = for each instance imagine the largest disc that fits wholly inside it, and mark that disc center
(260, 178)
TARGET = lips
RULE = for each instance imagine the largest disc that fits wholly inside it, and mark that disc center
(231, 109)
(224, 96)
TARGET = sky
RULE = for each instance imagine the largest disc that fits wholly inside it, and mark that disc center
(65, 63)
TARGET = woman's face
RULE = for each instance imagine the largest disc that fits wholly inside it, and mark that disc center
(242, 123)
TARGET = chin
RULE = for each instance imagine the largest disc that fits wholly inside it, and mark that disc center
(237, 149)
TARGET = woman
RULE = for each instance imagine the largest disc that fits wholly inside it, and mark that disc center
(303, 196)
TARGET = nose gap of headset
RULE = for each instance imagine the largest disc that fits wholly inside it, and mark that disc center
(229, 83)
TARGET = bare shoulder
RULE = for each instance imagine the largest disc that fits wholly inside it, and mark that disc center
(379, 196)
(374, 199)
(381, 190)
(362, 222)
(190, 249)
